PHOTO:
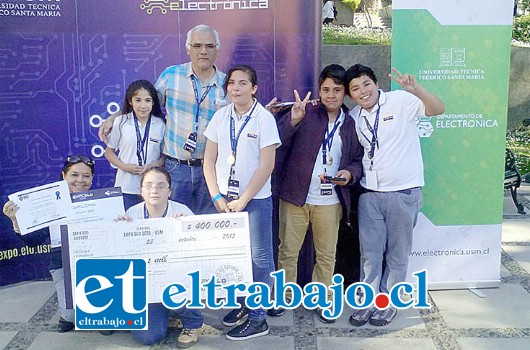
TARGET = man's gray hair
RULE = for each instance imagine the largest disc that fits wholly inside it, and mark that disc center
(203, 28)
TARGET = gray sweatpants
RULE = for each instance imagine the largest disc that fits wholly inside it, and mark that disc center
(386, 221)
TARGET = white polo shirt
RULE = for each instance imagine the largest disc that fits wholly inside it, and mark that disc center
(261, 131)
(123, 137)
(397, 161)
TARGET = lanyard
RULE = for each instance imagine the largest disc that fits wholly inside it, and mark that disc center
(328, 139)
(142, 143)
(373, 130)
(233, 137)
(146, 213)
(198, 101)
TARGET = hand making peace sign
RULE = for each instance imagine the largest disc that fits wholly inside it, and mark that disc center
(407, 81)
(298, 110)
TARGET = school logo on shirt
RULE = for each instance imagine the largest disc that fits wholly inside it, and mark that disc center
(111, 294)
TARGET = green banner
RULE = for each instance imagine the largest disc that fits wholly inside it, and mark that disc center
(467, 66)
(460, 51)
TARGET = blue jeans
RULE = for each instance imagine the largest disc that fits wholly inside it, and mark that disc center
(260, 222)
(189, 187)
(158, 321)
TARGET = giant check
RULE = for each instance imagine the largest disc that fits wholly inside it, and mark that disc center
(216, 245)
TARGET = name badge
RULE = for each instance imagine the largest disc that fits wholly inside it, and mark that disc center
(326, 188)
(233, 189)
(371, 179)
(191, 143)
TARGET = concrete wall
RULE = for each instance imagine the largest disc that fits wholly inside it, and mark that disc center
(378, 58)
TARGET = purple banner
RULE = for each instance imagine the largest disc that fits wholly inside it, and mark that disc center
(65, 65)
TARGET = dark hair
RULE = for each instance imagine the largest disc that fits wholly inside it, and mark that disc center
(131, 90)
(335, 72)
(253, 77)
(75, 159)
(158, 170)
(129, 94)
(358, 70)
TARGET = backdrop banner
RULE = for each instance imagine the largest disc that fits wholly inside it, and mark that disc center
(460, 50)
(65, 66)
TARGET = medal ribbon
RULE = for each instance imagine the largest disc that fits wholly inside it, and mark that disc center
(198, 101)
(328, 139)
(234, 139)
(142, 143)
(373, 130)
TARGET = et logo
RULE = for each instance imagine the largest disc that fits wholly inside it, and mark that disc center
(111, 294)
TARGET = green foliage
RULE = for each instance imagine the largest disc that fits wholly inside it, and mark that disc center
(338, 35)
(352, 4)
(521, 28)
(518, 140)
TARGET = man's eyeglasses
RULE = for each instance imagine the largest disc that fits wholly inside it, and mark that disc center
(150, 186)
(208, 47)
(78, 159)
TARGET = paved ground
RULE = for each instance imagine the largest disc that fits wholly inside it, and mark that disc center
(459, 319)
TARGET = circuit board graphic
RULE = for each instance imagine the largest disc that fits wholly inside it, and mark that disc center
(65, 66)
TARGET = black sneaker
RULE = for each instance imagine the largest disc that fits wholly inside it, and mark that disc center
(322, 318)
(106, 332)
(64, 326)
(236, 317)
(276, 312)
(248, 330)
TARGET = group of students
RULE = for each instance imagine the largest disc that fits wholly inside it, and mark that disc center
(226, 152)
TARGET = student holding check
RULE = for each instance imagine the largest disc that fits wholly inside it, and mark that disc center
(319, 145)
(155, 185)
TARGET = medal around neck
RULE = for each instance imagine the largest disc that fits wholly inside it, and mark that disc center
(231, 160)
